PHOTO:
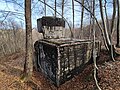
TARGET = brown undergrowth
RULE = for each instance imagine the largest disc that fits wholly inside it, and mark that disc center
(11, 68)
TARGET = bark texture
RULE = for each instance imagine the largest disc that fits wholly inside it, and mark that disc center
(28, 66)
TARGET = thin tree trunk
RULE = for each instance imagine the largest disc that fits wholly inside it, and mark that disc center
(90, 27)
(81, 25)
(118, 24)
(62, 8)
(94, 49)
(63, 16)
(113, 15)
(107, 36)
(107, 21)
(45, 7)
(112, 26)
(28, 66)
(104, 26)
(55, 7)
(73, 15)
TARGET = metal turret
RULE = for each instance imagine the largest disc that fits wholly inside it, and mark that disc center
(51, 27)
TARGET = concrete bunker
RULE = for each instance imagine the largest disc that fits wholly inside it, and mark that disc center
(59, 58)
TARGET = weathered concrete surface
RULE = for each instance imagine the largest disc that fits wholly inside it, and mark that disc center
(61, 59)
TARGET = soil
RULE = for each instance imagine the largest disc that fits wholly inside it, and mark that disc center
(108, 75)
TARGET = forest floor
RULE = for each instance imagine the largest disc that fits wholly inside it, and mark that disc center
(11, 68)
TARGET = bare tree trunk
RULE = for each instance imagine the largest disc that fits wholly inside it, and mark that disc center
(45, 7)
(63, 15)
(118, 24)
(28, 66)
(113, 15)
(90, 27)
(81, 25)
(107, 35)
(112, 26)
(94, 49)
(62, 8)
(104, 26)
(73, 15)
(55, 7)
(107, 21)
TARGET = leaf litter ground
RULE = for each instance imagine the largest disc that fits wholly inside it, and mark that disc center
(11, 68)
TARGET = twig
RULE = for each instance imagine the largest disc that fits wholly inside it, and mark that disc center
(14, 1)
(35, 5)
(5, 17)
(11, 12)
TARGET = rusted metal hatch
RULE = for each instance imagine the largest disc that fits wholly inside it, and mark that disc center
(62, 58)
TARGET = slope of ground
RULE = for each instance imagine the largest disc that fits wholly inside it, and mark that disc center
(108, 76)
